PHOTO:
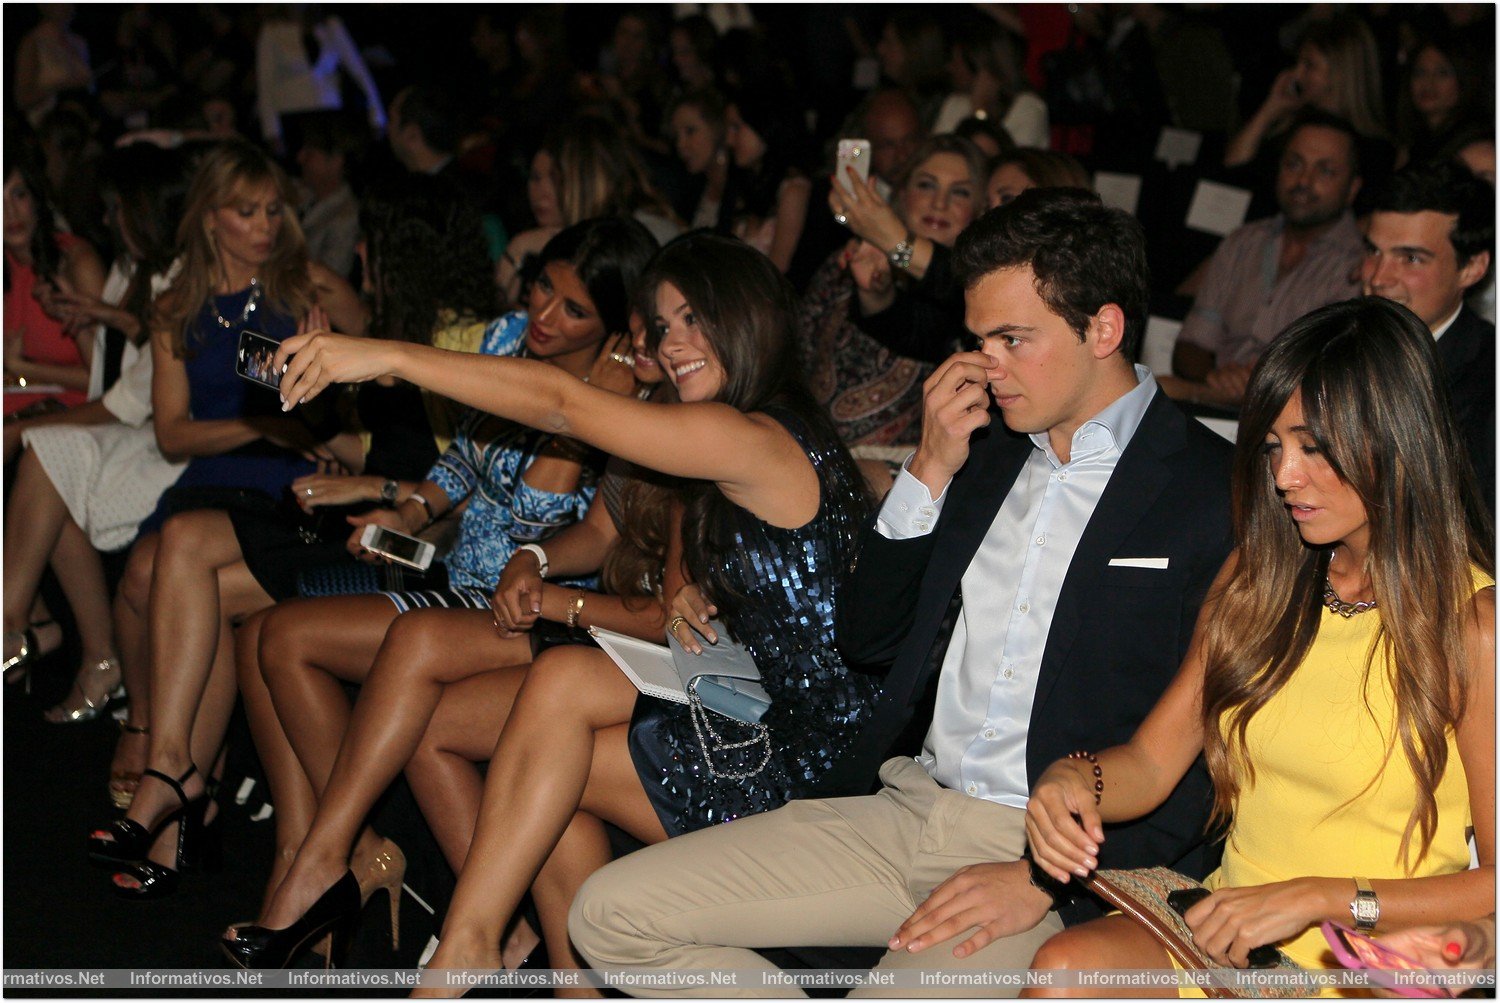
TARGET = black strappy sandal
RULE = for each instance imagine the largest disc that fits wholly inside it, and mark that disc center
(126, 841)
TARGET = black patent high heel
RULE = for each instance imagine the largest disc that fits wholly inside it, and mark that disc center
(196, 850)
(334, 913)
(129, 842)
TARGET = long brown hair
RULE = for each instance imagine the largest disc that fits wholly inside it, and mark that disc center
(633, 567)
(226, 171)
(1365, 370)
(745, 309)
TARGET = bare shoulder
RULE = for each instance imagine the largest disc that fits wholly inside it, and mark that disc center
(79, 259)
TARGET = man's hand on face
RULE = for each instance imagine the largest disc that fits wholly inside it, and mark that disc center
(956, 403)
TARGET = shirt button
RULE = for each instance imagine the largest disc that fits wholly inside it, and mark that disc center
(972, 789)
(1008, 673)
(920, 527)
(905, 507)
(1041, 541)
(989, 733)
(927, 510)
(1025, 607)
(1062, 476)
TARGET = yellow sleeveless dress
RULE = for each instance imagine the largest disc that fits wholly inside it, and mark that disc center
(1312, 809)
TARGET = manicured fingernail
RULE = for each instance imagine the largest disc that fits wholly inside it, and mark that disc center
(283, 366)
(1453, 950)
(702, 617)
(1082, 872)
(894, 944)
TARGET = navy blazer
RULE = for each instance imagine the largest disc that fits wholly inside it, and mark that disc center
(1467, 354)
(1118, 634)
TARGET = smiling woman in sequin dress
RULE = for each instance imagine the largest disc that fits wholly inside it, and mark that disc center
(771, 511)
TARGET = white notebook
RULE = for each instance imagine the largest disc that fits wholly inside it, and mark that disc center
(649, 666)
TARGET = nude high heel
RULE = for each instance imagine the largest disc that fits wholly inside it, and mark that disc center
(386, 870)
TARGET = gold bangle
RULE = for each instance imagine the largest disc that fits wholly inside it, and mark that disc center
(575, 607)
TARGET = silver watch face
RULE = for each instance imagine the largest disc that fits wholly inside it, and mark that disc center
(1366, 909)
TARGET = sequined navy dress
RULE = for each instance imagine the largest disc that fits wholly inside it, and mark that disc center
(791, 578)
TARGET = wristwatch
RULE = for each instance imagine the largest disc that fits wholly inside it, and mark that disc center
(540, 555)
(388, 492)
(900, 255)
(1061, 894)
(1365, 906)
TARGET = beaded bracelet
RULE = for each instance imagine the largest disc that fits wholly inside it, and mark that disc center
(1098, 773)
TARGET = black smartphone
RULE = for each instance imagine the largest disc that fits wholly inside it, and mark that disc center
(1183, 899)
(256, 359)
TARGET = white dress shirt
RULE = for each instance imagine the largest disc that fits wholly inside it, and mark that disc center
(977, 741)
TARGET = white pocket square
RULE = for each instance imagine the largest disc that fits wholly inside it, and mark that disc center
(1158, 563)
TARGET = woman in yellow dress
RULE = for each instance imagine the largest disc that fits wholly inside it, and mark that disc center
(1341, 682)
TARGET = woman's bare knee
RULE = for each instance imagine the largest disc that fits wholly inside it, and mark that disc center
(203, 537)
(247, 649)
(413, 643)
(135, 583)
(285, 635)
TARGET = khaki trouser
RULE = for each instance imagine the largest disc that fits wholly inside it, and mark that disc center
(839, 872)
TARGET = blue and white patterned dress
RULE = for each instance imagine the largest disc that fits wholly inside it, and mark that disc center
(485, 464)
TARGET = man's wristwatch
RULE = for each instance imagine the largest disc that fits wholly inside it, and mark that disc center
(900, 255)
(388, 492)
(1061, 894)
(1365, 906)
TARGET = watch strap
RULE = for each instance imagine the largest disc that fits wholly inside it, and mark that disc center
(540, 554)
(1061, 894)
(1365, 906)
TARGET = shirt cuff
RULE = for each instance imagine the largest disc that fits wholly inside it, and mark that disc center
(909, 510)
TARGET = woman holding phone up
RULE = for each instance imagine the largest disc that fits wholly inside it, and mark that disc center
(769, 524)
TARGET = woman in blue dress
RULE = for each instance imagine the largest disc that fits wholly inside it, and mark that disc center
(769, 521)
(244, 267)
(521, 485)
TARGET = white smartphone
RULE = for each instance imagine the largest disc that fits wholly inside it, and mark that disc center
(853, 153)
(399, 547)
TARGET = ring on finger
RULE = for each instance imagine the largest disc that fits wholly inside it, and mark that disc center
(840, 218)
(621, 359)
(677, 621)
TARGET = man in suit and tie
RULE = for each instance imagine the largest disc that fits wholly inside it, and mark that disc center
(1431, 239)
(1051, 565)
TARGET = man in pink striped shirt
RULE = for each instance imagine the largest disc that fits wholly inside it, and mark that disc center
(1268, 273)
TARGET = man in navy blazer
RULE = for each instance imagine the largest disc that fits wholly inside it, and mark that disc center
(1048, 570)
(1431, 239)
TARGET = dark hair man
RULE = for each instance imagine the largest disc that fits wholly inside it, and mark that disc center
(1268, 273)
(1431, 239)
(1051, 564)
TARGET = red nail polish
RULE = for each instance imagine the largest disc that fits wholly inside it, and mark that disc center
(1453, 950)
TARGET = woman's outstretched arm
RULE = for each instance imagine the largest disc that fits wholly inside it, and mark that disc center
(754, 460)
